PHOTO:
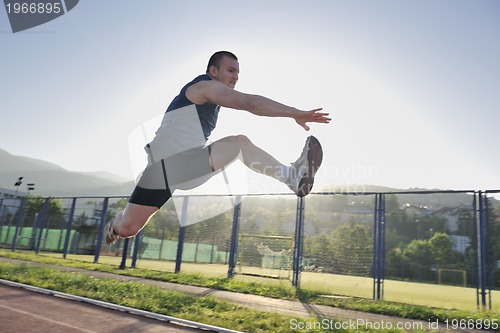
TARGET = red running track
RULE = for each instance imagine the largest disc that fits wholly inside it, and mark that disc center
(31, 312)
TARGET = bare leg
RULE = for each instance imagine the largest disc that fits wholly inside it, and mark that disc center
(226, 150)
(132, 219)
(299, 177)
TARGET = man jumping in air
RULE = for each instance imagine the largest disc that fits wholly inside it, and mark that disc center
(180, 158)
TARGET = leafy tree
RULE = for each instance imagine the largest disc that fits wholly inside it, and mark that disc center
(441, 248)
(318, 247)
(120, 204)
(34, 206)
(420, 256)
(346, 250)
(395, 261)
(164, 223)
(419, 251)
(215, 230)
(352, 248)
(80, 220)
(396, 222)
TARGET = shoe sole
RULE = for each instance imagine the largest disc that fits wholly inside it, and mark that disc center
(314, 157)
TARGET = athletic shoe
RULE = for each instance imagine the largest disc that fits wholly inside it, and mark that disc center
(110, 233)
(301, 177)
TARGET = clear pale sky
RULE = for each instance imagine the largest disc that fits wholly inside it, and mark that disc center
(413, 87)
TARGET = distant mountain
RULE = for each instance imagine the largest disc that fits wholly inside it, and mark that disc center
(413, 196)
(106, 175)
(9, 162)
(53, 180)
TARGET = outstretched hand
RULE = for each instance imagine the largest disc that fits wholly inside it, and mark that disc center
(312, 116)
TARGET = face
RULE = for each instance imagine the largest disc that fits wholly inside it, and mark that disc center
(227, 72)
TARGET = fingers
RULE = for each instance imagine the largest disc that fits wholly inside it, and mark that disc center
(313, 116)
(319, 116)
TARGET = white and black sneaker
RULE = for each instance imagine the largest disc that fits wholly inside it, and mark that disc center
(302, 171)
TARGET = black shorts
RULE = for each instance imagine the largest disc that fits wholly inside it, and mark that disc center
(183, 171)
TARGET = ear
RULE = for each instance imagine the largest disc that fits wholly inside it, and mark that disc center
(213, 71)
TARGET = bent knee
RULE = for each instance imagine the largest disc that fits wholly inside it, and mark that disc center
(242, 140)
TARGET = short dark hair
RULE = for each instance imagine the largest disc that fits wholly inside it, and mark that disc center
(216, 58)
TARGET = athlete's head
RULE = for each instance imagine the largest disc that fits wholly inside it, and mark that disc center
(223, 66)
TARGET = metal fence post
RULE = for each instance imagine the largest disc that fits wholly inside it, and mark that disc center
(69, 227)
(483, 251)
(101, 229)
(182, 234)
(233, 248)
(2, 216)
(40, 221)
(375, 233)
(137, 243)
(378, 246)
(18, 224)
(491, 258)
(489, 269)
(475, 244)
(124, 253)
(298, 243)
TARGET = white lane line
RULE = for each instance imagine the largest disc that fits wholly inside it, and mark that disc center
(45, 319)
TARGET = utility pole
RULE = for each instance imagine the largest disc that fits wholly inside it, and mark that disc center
(18, 183)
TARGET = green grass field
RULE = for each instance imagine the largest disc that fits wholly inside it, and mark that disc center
(432, 295)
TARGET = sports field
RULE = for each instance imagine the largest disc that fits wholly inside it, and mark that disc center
(433, 295)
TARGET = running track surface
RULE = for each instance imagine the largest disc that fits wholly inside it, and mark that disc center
(30, 312)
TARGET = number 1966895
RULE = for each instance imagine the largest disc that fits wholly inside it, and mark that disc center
(33, 8)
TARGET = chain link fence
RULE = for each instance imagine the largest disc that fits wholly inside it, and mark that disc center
(373, 245)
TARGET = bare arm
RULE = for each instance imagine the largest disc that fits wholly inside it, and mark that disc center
(217, 93)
